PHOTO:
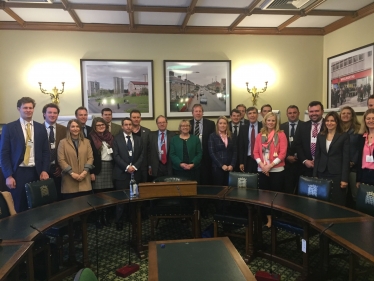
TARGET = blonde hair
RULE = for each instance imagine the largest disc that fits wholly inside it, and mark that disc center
(228, 132)
(182, 122)
(353, 124)
(68, 135)
(364, 129)
(264, 129)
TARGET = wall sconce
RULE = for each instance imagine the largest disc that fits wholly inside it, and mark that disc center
(56, 93)
(255, 93)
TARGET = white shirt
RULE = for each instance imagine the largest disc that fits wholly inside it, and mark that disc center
(29, 142)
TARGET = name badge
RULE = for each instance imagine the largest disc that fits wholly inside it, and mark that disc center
(110, 151)
(161, 152)
(314, 140)
(130, 153)
(29, 143)
(53, 146)
(369, 159)
(291, 139)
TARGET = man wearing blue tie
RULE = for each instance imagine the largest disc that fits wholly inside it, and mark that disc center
(25, 155)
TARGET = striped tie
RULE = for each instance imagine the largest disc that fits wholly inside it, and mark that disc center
(197, 128)
(26, 157)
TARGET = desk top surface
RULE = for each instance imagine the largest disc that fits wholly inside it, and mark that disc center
(11, 254)
(196, 259)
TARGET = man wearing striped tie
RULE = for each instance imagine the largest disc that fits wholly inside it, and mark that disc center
(306, 137)
(25, 155)
(202, 128)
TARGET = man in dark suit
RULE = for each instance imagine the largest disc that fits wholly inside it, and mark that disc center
(25, 155)
(81, 114)
(107, 115)
(246, 142)
(158, 150)
(202, 128)
(143, 133)
(293, 165)
(128, 156)
(243, 110)
(56, 132)
(265, 109)
(306, 137)
(234, 127)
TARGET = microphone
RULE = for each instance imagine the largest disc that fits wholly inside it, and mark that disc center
(33, 227)
(272, 201)
(97, 240)
(326, 228)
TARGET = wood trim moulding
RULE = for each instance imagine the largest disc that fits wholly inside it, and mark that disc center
(241, 17)
(72, 13)
(288, 22)
(16, 17)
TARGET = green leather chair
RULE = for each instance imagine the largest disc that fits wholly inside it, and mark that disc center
(235, 215)
(365, 199)
(85, 274)
(175, 208)
(4, 206)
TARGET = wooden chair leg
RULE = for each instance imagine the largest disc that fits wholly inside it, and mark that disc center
(215, 229)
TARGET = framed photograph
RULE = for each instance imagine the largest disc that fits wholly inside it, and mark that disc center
(350, 78)
(197, 82)
(122, 85)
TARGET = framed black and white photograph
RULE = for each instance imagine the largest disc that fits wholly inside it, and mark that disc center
(350, 78)
(122, 85)
(197, 82)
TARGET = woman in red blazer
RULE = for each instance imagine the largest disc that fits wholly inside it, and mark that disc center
(270, 152)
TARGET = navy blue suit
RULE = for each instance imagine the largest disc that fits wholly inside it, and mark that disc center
(12, 154)
(221, 155)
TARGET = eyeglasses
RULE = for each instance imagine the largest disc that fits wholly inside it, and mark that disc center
(161, 123)
(100, 125)
(185, 126)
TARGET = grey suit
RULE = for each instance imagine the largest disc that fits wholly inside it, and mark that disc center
(115, 129)
(153, 154)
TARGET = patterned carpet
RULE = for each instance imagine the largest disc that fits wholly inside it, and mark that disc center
(113, 251)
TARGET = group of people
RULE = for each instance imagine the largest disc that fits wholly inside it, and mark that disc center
(83, 159)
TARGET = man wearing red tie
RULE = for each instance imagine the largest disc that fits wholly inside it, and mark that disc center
(158, 150)
(306, 137)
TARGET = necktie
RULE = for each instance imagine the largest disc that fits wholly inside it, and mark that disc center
(51, 139)
(236, 130)
(314, 135)
(163, 149)
(129, 146)
(26, 157)
(292, 129)
(252, 139)
(85, 131)
(110, 127)
(197, 128)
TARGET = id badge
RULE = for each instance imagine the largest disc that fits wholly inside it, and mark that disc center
(161, 152)
(29, 143)
(130, 153)
(110, 151)
(314, 140)
(369, 159)
(53, 146)
(291, 139)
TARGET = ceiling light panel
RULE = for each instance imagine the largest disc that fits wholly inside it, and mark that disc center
(224, 3)
(147, 18)
(211, 20)
(344, 5)
(109, 17)
(314, 21)
(174, 3)
(43, 15)
(5, 17)
(264, 20)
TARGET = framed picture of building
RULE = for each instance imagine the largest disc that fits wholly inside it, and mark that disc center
(350, 78)
(122, 85)
(197, 82)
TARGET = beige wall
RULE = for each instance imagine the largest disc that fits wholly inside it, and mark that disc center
(296, 60)
(353, 36)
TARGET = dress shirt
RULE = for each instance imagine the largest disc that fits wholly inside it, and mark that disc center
(105, 155)
(290, 128)
(318, 128)
(32, 150)
(238, 127)
(160, 144)
(255, 127)
(54, 132)
(132, 144)
(200, 129)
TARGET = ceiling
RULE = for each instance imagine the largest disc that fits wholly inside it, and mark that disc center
(273, 17)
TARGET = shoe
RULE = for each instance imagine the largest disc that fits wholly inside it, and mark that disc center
(265, 227)
(119, 226)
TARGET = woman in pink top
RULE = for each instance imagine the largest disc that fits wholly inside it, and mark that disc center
(270, 153)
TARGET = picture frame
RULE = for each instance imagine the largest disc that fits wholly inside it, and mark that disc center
(121, 85)
(205, 82)
(350, 78)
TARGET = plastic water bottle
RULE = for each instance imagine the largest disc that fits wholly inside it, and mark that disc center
(134, 191)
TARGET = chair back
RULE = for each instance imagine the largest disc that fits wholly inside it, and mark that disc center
(170, 179)
(315, 188)
(243, 180)
(4, 210)
(85, 274)
(365, 199)
(40, 193)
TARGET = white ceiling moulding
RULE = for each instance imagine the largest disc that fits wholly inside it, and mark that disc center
(284, 4)
(30, 1)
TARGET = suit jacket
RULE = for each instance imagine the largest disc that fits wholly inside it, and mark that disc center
(302, 140)
(361, 144)
(153, 153)
(336, 160)
(145, 140)
(193, 148)
(122, 158)
(208, 128)
(243, 141)
(97, 157)
(13, 148)
(232, 130)
(88, 128)
(291, 150)
(115, 128)
(220, 154)
(60, 134)
(246, 121)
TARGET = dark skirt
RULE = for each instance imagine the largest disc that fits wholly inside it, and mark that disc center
(104, 180)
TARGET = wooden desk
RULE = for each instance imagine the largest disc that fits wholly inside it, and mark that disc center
(213, 259)
(14, 253)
